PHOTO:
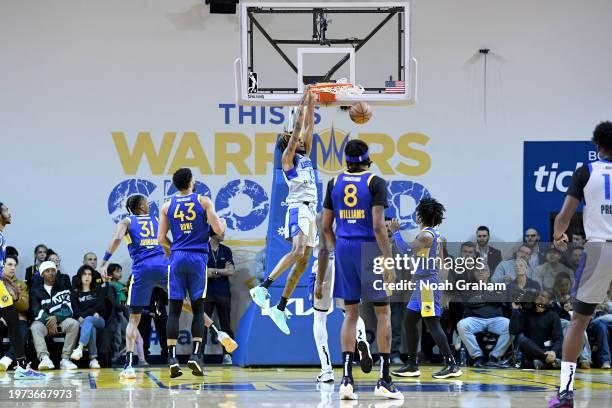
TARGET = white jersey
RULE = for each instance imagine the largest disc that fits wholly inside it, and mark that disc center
(592, 183)
(302, 181)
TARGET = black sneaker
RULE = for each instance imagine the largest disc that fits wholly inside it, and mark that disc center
(387, 390)
(563, 399)
(493, 362)
(175, 368)
(448, 371)
(409, 370)
(195, 365)
(365, 358)
(478, 362)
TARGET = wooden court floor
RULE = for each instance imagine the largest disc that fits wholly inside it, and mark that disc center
(233, 387)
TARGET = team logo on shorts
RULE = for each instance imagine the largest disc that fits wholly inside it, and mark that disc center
(5, 298)
(427, 308)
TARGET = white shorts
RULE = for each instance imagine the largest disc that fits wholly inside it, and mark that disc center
(301, 217)
(594, 273)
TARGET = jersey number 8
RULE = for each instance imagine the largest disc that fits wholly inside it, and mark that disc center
(350, 195)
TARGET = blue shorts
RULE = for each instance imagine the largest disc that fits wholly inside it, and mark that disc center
(187, 275)
(427, 308)
(355, 278)
(146, 275)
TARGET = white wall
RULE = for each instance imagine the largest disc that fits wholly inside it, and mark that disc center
(72, 72)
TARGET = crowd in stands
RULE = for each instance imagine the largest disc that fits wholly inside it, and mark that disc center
(81, 321)
(522, 325)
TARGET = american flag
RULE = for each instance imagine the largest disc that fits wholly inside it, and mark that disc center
(392, 86)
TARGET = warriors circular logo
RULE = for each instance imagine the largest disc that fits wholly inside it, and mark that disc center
(329, 147)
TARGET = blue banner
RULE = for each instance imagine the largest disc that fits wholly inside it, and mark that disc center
(547, 171)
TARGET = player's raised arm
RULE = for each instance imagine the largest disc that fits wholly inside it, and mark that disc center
(162, 233)
(309, 128)
(120, 232)
(294, 139)
(218, 224)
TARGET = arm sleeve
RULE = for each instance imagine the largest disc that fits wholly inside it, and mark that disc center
(577, 183)
(327, 203)
(378, 188)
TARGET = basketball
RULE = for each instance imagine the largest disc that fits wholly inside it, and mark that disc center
(360, 113)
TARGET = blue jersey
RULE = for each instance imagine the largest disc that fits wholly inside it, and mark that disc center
(2, 253)
(352, 204)
(188, 223)
(141, 238)
(427, 261)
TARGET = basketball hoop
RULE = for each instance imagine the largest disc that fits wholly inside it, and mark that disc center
(329, 92)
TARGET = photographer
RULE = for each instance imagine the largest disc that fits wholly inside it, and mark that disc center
(538, 332)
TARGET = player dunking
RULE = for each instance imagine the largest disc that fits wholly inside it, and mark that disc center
(356, 200)
(8, 293)
(320, 291)
(591, 184)
(424, 302)
(301, 210)
(188, 216)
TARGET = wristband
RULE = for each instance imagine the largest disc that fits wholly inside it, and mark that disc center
(107, 256)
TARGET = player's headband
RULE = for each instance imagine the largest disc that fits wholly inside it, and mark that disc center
(358, 159)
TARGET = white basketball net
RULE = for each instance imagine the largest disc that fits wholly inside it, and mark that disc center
(340, 88)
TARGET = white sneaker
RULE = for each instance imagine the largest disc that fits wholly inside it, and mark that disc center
(46, 364)
(5, 363)
(76, 354)
(260, 296)
(227, 360)
(387, 390)
(94, 363)
(66, 365)
(326, 376)
(227, 342)
(346, 390)
(128, 373)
